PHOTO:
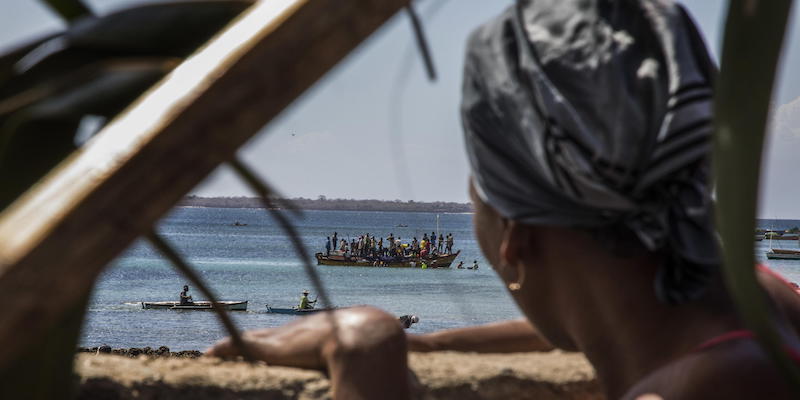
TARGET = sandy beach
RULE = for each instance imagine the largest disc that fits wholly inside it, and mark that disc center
(442, 375)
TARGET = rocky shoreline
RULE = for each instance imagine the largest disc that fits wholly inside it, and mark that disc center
(162, 351)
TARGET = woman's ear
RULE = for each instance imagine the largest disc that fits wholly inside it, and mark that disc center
(513, 246)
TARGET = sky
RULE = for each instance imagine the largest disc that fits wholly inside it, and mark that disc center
(375, 127)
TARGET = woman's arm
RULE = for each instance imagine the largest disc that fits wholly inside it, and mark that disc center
(362, 348)
(500, 337)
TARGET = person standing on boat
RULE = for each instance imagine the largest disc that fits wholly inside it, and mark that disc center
(334, 241)
(328, 246)
(433, 242)
(185, 298)
(305, 303)
(441, 243)
(449, 247)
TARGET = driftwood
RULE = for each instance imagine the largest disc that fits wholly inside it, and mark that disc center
(56, 238)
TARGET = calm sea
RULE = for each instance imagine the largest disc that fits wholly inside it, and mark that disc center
(257, 263)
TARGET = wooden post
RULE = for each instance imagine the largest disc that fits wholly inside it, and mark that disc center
(56, 238)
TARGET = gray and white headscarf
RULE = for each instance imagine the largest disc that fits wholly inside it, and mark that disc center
(597, 113)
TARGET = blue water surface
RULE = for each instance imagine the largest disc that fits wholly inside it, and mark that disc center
(257, 263)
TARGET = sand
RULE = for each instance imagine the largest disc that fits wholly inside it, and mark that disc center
(443, 375)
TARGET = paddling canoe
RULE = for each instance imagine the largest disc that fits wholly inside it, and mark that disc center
(294, 311)
(197, 305)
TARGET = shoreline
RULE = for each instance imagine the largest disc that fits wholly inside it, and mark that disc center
(324, 204)
(133, 352)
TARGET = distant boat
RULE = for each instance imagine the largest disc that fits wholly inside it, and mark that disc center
(237, 223)
(294, 310)
(781, 254)
(435, 261)
(197, 305)
(402, 226)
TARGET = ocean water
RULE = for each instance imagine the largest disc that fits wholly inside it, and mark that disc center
(257, 263)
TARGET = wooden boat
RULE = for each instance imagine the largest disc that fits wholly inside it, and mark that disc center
(294, 310)
(781, 254)
(197, 305)
(436, 261)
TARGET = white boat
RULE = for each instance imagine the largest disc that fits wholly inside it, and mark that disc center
(197, 305)
(780, 254)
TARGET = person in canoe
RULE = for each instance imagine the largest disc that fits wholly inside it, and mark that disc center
(305, 303)
(185, 298)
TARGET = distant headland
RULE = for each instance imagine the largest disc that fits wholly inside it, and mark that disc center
(323, 203)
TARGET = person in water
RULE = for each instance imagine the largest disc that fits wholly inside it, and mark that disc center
(474, 264)
(460, 265)
(185, 298)
(305, 303)
(587, 126)
(407, 320)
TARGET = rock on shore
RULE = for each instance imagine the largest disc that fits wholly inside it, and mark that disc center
(444, 375)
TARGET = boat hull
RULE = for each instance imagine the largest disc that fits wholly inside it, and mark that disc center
(197, 305)
(294, 311)
(783, 255)
(443, 261)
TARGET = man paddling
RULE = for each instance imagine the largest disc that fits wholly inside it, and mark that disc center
(185, 298)
(305, 303)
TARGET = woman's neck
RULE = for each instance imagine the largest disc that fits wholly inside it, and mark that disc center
(622, 328)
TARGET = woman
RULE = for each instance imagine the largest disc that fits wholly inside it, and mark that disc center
(587, 127)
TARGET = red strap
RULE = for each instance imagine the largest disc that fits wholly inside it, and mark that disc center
(725, 337)
(740, 334)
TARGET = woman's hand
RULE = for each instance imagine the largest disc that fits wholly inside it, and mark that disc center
(362, 348)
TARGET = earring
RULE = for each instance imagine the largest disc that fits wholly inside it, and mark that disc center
(514, 286)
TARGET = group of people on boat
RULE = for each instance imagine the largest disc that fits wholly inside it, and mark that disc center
(369, 246)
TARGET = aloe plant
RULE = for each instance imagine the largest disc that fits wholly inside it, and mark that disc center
(754, 32)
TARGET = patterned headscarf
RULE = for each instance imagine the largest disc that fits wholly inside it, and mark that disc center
(593, 114)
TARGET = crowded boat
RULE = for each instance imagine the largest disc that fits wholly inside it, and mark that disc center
(368, 250)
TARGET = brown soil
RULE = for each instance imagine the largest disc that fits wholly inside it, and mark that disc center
(446, 375)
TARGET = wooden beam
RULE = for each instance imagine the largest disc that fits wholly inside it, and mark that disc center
(56, 239)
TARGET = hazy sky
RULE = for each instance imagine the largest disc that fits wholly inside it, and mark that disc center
(374, 127)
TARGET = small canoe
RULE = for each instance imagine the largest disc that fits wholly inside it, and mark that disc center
(294, 310)
(197, 305)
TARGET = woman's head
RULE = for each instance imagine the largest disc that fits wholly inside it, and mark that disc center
(593, 120)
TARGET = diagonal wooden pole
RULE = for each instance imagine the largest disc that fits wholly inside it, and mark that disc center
(56, 238)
